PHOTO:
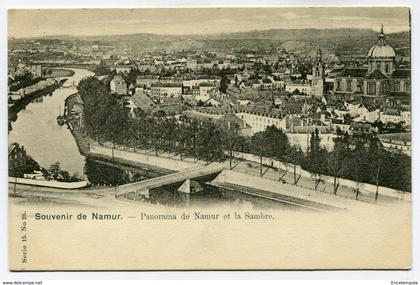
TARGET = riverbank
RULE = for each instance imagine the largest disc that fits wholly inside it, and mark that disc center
(73, 112)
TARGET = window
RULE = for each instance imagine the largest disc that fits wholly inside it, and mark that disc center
(378, 66)
(372, 88)
(406, 86)
(360, 85)
(384, 88)
(396, 87)
(348, 85)
(387, 69)
(338, 85)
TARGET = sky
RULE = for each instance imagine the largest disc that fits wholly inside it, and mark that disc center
(184, 21)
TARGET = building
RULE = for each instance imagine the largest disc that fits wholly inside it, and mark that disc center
(350, 81)
(362, 112)
(123, 68)
(35, 69)
(396, 142)
(391, 116)
(318, 75)
(160, 91)
(259, 119)
(380, 78)
(118, 85)
(16, 151)
(142, 101)
(145, 81)
(406, 117)
(302, 88)
(207, 91)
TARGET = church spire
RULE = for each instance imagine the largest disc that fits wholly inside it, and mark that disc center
(319, 54)
(381, 39)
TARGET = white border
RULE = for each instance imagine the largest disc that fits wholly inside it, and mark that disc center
(303, 275)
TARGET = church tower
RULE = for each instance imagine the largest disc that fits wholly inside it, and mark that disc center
(318, 76)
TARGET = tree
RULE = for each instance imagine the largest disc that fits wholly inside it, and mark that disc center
(210, 144)
(21, 163)
(316, 158)
(22, 80)
(131, 76)
(183, 136)
(231, 135)
(336, 158)
(56, 173)
(259, 147)
(224, 83)
(277, 142)
(375, 158)
(102, 69)
(295, 156)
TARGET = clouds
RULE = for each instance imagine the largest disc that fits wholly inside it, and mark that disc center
(82, 22)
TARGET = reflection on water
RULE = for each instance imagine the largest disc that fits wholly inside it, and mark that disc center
(102, 173)
(37, 130)
(211, 196)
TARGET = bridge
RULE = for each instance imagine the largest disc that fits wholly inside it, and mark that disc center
(173, 178)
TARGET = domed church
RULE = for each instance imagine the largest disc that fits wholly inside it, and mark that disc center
(381, 78)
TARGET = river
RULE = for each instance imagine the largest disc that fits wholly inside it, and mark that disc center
(36, 129)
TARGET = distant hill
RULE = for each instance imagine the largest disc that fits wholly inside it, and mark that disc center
(298, 34)
(272, 34)
(336, 41)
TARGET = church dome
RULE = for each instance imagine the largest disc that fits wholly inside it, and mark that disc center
(381, 51)
(381, 48)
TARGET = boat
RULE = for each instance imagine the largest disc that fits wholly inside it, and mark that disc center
(61, 119)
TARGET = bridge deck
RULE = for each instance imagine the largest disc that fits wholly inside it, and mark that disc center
(190, 173)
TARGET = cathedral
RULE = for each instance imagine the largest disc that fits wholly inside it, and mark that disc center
(380, 78)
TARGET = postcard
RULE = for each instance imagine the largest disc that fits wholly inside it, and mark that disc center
(209, 138)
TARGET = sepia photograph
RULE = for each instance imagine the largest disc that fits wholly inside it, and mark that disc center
(209, 138)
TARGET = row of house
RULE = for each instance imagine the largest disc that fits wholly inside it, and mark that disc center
(160, 90)
(367, 113)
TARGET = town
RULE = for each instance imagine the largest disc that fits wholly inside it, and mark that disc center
(338, 110)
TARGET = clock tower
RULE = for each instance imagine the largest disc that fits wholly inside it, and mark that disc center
(318, 76)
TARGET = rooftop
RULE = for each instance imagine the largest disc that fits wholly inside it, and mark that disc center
(352, 72)
(401, 73)
(397, 136)
(376, 74)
